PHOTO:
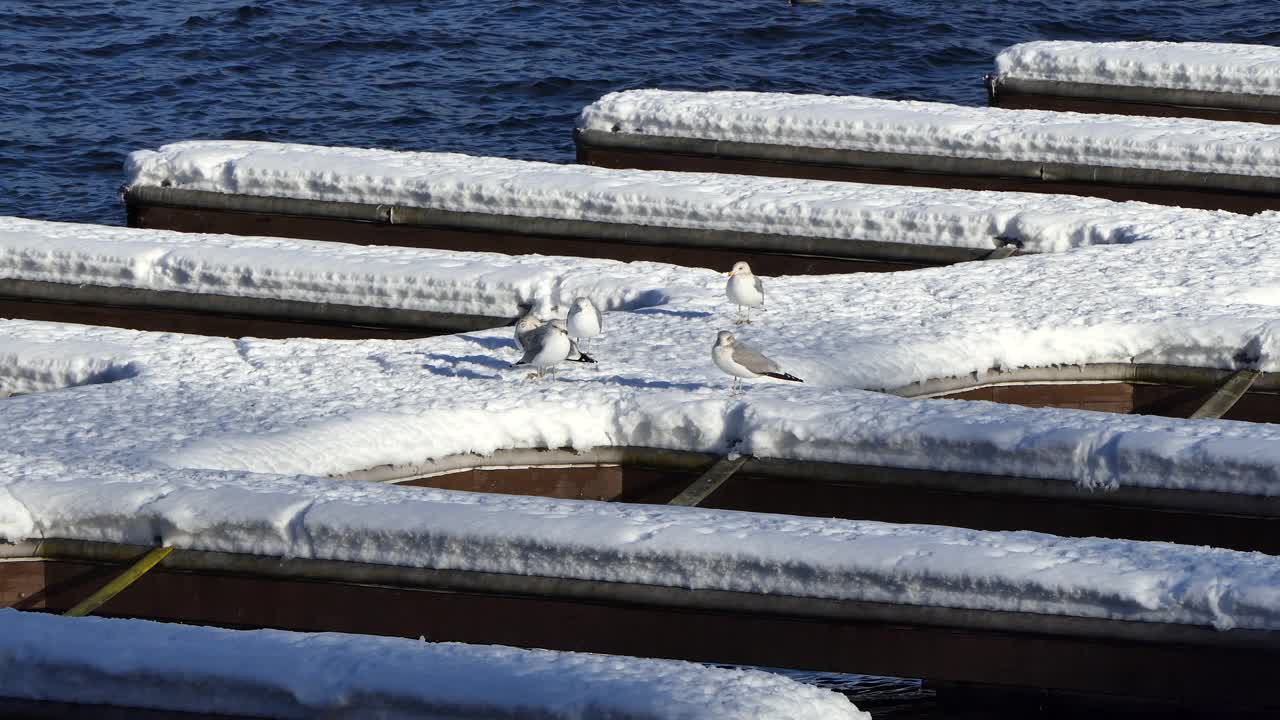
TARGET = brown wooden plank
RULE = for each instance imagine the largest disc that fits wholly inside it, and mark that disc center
(1118, 397)
(1212, 676)
(1009, 99)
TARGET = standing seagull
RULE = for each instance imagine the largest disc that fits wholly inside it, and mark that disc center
(526, 325)
(546, 347)
(741, 361)
(745, 290)
(584, 320)
(529, 323)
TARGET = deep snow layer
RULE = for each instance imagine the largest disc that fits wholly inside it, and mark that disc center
(924, 128)
(461, 183)
(488, 284)
(301, 675)
(1214, 67)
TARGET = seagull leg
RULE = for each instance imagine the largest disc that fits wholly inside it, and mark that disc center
(739, 320)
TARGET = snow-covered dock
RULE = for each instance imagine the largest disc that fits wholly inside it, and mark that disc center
(1147, 620)
(234, 452)
(179, 668)
(1214, 81)
(1170, 161)
(262, 287)
(457, 202)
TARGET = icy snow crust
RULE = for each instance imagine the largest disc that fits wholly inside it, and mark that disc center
(925, 128)
(1213, 67)
(461, 183)
(223, 444)
(303, 675)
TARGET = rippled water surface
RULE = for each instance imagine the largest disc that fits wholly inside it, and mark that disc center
(82, 83)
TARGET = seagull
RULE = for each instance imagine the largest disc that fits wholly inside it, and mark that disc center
(525, 325)
(547, 346)
(529, 323)
(741, 361)
(745, 290)
(584, 320)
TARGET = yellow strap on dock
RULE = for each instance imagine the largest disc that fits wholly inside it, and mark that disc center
(122, 581)
(710, 481)
(1226, 395)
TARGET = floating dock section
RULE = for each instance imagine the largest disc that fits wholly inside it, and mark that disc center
(859, 492)
(1095, 648)
(268, 288)
(1168, 161)
(457, 202)
(1213, 81)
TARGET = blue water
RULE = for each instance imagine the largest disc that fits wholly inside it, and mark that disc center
(83, 83)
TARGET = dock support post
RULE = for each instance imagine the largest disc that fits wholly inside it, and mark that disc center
(709, 481)
(1227, 395)
(122, 581)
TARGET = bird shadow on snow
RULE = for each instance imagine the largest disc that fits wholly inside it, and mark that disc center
(455, 361)
(687, 314)
(635, 382)
(489, 343)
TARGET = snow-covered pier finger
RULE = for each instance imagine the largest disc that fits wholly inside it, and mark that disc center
(1172, 161)
(168, 667)
(875, 490)
(458, 202)
(265, 287)
(1214, 81)
(1149, 620)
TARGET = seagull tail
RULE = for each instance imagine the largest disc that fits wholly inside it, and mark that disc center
(784, 376)
(582, 357)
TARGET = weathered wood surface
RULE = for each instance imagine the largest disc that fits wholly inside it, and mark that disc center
(1198, 666)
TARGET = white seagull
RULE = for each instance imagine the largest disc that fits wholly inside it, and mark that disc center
(740, 361)
(546, 347)
(584, 320)
(530, 322)
(745, 290)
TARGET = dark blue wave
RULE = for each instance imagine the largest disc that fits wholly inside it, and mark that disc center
(85, 82)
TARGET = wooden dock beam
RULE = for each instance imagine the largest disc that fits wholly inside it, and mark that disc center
(1197, 666)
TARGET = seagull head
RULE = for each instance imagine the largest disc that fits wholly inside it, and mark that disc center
(740, 268)
(527, 322)
(581, 304)
(724, 338)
